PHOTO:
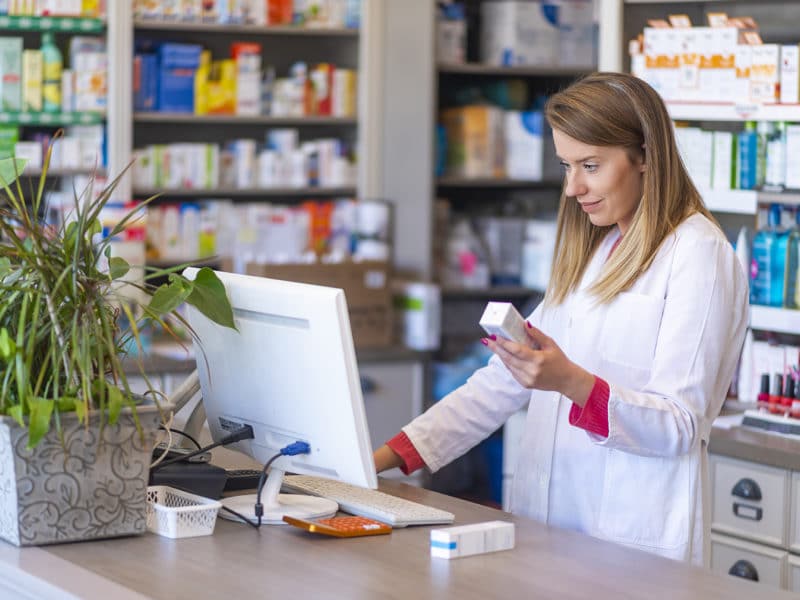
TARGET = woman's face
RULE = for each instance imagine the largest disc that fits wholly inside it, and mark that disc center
(602, 179)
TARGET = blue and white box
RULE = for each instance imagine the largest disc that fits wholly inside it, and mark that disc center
(467, 540)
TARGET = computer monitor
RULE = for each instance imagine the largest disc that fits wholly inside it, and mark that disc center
(289, 372)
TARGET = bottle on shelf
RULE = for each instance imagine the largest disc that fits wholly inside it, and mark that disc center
(769, 262)
(791, 297)
(52, 66)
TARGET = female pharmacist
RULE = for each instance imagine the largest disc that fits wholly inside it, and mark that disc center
(632, 350)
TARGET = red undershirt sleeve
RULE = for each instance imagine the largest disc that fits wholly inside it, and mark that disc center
(403, 447)
(593, 417)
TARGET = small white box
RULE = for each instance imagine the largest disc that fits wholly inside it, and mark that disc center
(466, 540)
(503, 320)
(790, 74)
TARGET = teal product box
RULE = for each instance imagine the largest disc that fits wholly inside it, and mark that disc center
(10, 73)
(177, 66)
(746, 159)
(9, 136)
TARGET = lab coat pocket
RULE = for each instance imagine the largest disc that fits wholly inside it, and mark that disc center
(646, 501)
(630, 330)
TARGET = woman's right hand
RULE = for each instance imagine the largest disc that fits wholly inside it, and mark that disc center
(385, 458)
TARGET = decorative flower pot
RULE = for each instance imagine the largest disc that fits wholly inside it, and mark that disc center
(92, 485)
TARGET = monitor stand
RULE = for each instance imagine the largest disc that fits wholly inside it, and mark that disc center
(277, 505)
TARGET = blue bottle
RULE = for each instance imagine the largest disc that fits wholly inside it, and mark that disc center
(769, 262)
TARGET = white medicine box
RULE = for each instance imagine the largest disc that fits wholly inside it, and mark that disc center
(519, 33)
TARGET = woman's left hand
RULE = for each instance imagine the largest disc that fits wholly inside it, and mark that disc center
(543, 366)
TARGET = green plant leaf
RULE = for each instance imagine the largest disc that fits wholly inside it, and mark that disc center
(41, 411)
(7, 345)
(115, 401)
(117, 267)
(80, 411)
(15, 412)
(169, 296)
(208, 296)
(11, 169)
(66, 403)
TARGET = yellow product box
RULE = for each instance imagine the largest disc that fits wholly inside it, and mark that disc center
(765, 73)
(32, 72)
(343, 93)
(475, 141)
(743, 64)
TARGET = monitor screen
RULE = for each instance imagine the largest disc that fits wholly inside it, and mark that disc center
(290, 373)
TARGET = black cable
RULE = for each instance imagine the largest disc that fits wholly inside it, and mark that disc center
(183, 433)
(245, 433)
(259, 508)
(241, 516)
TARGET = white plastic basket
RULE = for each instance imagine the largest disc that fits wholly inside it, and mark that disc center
(174, 513)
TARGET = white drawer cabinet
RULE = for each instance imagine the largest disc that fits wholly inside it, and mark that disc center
(794, 573)
(392, 397)
(794, 509)
(750, 500)
(731, 556)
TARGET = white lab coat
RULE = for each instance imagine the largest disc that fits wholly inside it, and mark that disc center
(668, 348)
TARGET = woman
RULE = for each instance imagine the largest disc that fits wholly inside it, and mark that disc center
(631, 351)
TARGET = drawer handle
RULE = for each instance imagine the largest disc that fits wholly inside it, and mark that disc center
(745, 511)
(748, 489)
(368, 385)
(744, 569)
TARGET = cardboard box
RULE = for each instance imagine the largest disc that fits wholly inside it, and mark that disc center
(475, 141)
(366, 287)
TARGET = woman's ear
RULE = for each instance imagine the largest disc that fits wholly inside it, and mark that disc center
(643, 161)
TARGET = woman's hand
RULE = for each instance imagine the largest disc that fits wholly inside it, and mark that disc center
(543, 366)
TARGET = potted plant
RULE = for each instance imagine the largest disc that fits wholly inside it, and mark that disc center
(75, 443)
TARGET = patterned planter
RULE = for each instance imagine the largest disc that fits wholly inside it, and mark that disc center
(97, 488)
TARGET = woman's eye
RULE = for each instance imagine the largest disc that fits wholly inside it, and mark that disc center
(564, 166)
(590, 168)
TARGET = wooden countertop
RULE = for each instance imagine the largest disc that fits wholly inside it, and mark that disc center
(756, 446)
(284, 562)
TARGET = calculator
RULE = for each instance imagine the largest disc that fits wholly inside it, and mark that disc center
(350, 526)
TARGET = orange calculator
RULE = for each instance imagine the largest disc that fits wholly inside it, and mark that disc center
(341, 526)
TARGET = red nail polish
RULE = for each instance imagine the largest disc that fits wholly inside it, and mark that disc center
(528, 323)
(493, 337)
(484, 342)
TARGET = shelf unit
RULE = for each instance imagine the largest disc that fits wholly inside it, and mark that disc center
(266, 121)
(304, 192)
(251, 30)
(489, 182)
(83, 25)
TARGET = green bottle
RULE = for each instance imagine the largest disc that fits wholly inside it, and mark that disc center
(52, 64)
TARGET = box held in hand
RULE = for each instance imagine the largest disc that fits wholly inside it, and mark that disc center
(503, 320)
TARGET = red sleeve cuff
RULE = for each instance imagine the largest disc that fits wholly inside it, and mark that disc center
(593, 417)
(403, 447)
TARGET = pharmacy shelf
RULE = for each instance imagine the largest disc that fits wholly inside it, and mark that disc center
(785, 198)
(177, 118)
(492, 182)
(64, 172)
(56, 24)
(497, 292)
(51, 119)
(248, 193)
(779, 320)
(517, 71)
(727, 111)
(742, 202)
(259, 30)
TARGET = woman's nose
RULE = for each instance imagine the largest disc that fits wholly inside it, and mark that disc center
(574, 185)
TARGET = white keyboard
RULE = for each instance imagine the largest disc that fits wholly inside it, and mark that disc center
(364, 502)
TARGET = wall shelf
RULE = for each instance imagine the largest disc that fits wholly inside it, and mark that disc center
(520, 71)
(51, 119)
(743, 202)
(177, 118)
(65, 172)
(247, 193)
(497, 292)
(492, 182)
(723, 111)
(259, 30)
(55, 24)
(779, 320)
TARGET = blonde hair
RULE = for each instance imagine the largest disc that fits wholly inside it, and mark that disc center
(618, 109)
